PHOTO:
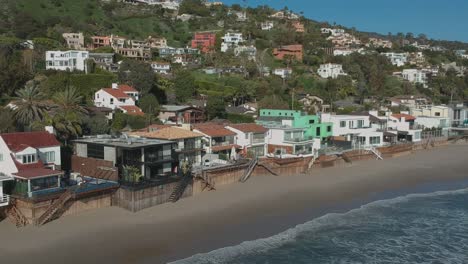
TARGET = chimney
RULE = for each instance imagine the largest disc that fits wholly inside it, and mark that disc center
(115, 86)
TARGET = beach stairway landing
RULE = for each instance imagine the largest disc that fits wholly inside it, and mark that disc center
(56, 205)
(16, 216)
(249, 170)
(180, 189)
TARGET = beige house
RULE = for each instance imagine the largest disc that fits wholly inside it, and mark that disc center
(74, 40)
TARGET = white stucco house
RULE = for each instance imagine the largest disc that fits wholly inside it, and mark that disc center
(415, 76)
(398, 59)
(355, 128)
(331, 70)
(161, 67)
(250, 137)
(283, 72)
(71, 60)
(33, 159)
(122, 97)
(231, 40)
(267, 25)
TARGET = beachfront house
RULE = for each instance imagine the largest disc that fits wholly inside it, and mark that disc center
(189, 145)
(33, 159)
(70, 60)
(4, 198)
(129, 160)
(251, 138)
(396, 127)
(218, 140)
(432, 116)
(355, 128)
(458, 113)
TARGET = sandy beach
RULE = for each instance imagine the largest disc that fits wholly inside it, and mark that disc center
(261, 207)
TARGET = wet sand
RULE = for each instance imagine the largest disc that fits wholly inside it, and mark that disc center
(261, 207)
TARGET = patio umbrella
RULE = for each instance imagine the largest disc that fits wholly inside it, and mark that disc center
(233, 153)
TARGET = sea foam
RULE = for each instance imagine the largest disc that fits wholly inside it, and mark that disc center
(418, 228)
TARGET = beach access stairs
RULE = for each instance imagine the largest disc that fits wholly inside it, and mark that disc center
(249, 170)
(375, 151)
(56, 205)
(16, 216)
(180, 189)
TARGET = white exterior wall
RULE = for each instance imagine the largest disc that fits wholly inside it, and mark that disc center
(42, 155)
(245, 139)
(433, 122)
(103, 99)
(330, 70)
(66, 60)
(7, 165)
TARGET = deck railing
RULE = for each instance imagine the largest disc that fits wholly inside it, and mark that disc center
(4, 200)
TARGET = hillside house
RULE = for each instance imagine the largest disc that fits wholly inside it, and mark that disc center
(71, 60)
(249, 51)
(181, 114)
(267, 25)
(122, 97)
(398, 59)
(100, 41)
(33, 159)
(331, 70)
(283, 72)
(161, 67)
(74, 41)
(298, 26)
(231, 40)
(204, 41)
(289, 51)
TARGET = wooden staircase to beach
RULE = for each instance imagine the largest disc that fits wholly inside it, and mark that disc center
(56, 205)
(180, 189)
(249, 170)
(208, 182)
(16, 216)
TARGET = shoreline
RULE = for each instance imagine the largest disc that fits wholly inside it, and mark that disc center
(261, 207)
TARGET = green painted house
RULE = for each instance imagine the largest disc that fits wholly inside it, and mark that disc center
(296, 119)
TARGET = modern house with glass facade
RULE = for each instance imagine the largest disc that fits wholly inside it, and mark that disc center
(251, 138)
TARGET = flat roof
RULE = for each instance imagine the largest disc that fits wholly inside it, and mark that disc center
(123, 142)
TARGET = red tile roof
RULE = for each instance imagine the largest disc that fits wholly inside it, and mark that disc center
(227, 147)
(406, 116)
(117, 93)
(36, 173)
(19, 141)
(213, 130)
(254, 128)
(132, 110)
(127, 88)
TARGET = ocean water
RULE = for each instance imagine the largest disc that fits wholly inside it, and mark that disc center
(418, 228)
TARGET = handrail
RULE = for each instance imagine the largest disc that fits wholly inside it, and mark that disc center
(4, 199)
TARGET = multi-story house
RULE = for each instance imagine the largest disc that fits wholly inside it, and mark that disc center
(204, 41)
(432, 116)
(105, 61)
(458, 113)
(100, 41)
(331, 70)
(135, 53)
(33, 159)
(289, 52)
(298, 26)
(121, 97)
(249, 51)
(415, 76)
(333, 31)
(398, 59)
(74, 40)
(218, 140)
(231, 40)
(181, 114)
(117, 42)
(161, 67)
(283, 72)
(189, 145)
(313, 126)
(379, 43)
(284, 15)
(355, 128)
(267, 25)
(396, 127)
(129, 160)
(156, 43)
(71, 60)
(251, 138)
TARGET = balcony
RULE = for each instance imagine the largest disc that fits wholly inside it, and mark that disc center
(298, 139)
(4, 200)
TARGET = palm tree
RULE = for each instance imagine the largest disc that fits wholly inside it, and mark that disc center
(29, 105)
(69, 100)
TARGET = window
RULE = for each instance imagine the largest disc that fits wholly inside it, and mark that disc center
(342, 123)
(437, 113)
(417, 135)
(360, 123)
(328, 128)
(50, 156)
(112, 101)
(96, 151)
(312, 121)
(246, 135)
(30, 158)
(122, 100)
(317, 132)
(374, 140)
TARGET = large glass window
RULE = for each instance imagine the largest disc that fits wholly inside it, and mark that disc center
(342, 123)
(360, 123)
(96, 151)
(374, 140)
(44, 183)
(50, 156)
(30, 158)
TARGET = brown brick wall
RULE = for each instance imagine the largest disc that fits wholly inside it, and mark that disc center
(271, 148)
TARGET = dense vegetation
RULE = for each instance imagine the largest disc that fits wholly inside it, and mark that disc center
(43, 21)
